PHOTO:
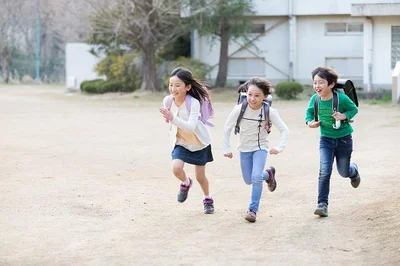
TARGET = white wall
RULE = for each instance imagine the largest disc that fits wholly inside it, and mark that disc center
(309, 7)
(381, 59)
(314, 46)
(80, 64)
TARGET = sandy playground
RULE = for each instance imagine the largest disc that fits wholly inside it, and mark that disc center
(87, 181)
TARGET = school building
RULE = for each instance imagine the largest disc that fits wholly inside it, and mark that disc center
(358, 38)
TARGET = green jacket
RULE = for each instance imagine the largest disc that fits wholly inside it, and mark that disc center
(325, 111)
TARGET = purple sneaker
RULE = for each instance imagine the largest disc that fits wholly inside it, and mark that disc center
(271, 181)
(251, 216)
(184, 190)
(208, 206)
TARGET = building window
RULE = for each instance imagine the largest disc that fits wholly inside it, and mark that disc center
(395, 45)
(258, 28)
(343, 28)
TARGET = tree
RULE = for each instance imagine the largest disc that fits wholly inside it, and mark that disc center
(145, 25)
(9, 23)
(224, 20)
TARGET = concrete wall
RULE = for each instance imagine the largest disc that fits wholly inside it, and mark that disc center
(80, 65)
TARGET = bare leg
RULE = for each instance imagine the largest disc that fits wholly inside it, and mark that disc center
(177, 169)
(200, 171)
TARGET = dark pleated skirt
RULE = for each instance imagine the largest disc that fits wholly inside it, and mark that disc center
(200, 157)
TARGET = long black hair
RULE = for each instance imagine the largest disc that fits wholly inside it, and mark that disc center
(198, 89)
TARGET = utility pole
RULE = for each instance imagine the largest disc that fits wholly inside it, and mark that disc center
(38, 43)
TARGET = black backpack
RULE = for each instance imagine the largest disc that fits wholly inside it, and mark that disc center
(242, 99)
(347, 88)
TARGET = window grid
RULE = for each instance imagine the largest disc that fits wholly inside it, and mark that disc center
(395, 45)
(344, 28)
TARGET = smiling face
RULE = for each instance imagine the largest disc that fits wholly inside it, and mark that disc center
(322, 88)
(178, 89)
(255, 97)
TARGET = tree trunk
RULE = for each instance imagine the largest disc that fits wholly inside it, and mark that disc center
(5, 65)
(223, 58)
(149, 78)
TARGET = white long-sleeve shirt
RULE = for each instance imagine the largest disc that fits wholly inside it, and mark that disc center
(251, 136)
(188, 122)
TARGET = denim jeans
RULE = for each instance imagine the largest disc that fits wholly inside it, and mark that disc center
(329, 149)
(252, 165)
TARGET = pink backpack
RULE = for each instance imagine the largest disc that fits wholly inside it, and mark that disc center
(206, 108)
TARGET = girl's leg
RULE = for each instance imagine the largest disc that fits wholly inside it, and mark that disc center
(259, 158)
(326, 153)
(177, 169)
(200, 172)
(246, 165)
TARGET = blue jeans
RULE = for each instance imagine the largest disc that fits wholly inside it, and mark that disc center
(252, 165)
(329, 149)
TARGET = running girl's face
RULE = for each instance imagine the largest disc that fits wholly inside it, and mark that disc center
(255, 97)
(177, 88)
(321, 87)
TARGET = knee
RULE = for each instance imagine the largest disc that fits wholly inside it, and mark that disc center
(343, 172)
(256, 179)
(177, 170)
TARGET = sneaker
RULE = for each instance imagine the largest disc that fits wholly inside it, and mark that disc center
(251, 216)
(355, 181)
(208, 206)
(271, 181)
(322, 210)
(183, 191)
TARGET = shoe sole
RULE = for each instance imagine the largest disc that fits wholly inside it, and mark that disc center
(209, 212)
(320, 213)
(250, 219)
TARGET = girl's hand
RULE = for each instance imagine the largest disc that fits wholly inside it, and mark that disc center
(228, 155)
(273, 151)
(339, 116)
(314, 124)
(167, 114)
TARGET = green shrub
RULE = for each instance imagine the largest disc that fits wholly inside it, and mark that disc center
(122, 68)
(288, 90)
(90, 86)
(110, 86)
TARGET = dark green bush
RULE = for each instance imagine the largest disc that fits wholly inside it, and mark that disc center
(111, 86)
(288, 90)
(90, 86)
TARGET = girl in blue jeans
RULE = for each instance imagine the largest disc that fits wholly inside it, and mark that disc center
(253, 140)
(335, 142)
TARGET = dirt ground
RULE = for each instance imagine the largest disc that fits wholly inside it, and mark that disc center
(87, 181)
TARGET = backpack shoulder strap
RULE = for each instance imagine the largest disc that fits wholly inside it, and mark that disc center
(242, 109)
(316, 102)
(266, 110)
(188, 102)
(266, 115)
(168, 102)
(335, 104)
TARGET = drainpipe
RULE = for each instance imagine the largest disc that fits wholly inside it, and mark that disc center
(368, 52)
(292, 39)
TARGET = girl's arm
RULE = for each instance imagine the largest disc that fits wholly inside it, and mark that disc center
(277, 121)
(229, 124)
(194, 114)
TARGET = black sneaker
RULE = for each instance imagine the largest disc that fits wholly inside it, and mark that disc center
(271, 181)
(183, 191)
(251, 216)
(208, 206)
(355, 181)
(322, 210)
